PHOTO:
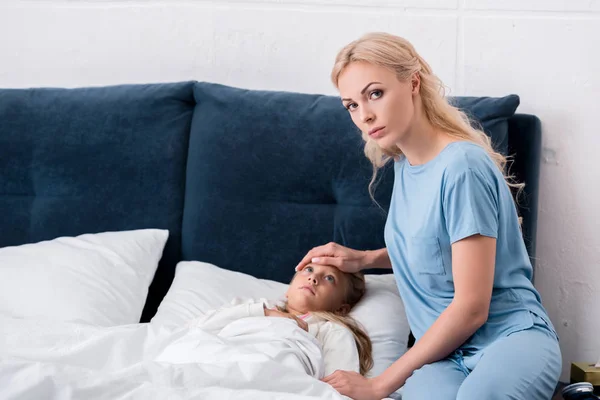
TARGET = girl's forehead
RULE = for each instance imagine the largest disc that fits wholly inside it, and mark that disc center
(326, 268)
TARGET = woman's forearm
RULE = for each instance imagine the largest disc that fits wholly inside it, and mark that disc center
(377, 259)
(452, 328)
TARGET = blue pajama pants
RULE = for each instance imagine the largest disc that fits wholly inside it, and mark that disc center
(525, 365)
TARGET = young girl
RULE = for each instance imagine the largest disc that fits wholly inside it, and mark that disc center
(452, 238)
(245, 351)
(318, 299)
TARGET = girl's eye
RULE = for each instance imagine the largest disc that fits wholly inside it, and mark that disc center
(351, 106)
(330, 278)
(308, 269)
(375, 94)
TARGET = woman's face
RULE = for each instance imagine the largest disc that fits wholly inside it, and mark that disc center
(380, 105)
(317, 288)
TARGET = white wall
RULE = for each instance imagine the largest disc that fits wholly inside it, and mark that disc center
(545, 51)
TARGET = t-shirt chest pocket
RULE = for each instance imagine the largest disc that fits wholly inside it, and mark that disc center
(425, 256)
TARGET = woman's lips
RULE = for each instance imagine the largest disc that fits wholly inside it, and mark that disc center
(376, 132)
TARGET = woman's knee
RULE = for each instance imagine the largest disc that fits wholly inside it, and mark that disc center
(540, 388)
(440, 381)
(525, 365)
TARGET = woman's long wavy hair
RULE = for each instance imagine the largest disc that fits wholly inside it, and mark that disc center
(398, 55)
(354, 288)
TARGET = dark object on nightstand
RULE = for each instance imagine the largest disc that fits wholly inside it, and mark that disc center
(579, 391)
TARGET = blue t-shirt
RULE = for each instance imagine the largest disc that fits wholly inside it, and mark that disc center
(458, 194)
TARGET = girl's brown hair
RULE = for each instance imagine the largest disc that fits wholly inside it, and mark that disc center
(354, 290)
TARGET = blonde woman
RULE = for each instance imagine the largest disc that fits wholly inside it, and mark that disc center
(452, 239)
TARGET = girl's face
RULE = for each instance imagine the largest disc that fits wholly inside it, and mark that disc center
(317, 288)
(380, 105)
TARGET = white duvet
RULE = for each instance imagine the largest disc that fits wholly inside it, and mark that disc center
(250, 358)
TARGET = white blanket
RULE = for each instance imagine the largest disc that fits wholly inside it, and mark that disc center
(251, 358)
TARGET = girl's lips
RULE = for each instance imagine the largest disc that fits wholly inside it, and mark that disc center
(311, 290)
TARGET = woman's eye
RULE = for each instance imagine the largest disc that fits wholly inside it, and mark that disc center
(351, 106)
(375, 94)
(308, 269)
(330, 278)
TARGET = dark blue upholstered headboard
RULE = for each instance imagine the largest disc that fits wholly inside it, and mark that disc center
(247, 180)
(525, 148)
(89, 160)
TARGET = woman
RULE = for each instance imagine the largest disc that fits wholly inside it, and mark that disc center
(452, 239)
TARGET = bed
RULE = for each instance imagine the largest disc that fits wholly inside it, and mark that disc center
(128, 210)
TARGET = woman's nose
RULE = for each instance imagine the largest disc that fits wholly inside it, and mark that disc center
(313, 280)
(366, 115)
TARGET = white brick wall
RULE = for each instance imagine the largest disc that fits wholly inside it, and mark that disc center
(545, 51)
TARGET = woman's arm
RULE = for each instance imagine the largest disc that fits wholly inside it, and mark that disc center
(377, 259)
(473, 262)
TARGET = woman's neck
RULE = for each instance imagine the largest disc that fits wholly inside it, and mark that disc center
(423, 142)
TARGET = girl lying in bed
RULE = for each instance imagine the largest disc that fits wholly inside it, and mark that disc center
(319, 299)
(245, 351)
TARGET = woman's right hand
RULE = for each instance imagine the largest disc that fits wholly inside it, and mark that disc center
(336, 255)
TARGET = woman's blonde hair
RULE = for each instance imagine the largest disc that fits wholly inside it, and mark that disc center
(397, 54)
(355, 288)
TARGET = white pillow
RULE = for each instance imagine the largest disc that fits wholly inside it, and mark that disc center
(199, 287)
(99, 279)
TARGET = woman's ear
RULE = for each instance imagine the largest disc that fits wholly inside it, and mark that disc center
(416, 83)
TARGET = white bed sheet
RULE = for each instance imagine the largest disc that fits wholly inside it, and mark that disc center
(244, 360)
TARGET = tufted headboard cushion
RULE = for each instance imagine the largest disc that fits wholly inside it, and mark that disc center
(87, 160)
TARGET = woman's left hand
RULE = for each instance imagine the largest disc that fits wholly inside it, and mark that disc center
(354, 385)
